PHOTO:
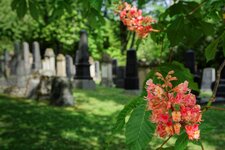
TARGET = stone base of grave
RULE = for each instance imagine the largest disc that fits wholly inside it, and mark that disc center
(106, 82)
(84, 84)
(15, 91)
(132, 92)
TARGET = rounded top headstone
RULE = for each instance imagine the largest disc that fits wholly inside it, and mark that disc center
(106, 58)
(49, 52)
(60, 57)
(83, 32)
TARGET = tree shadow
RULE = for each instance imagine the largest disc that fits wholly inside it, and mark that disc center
(25, 124)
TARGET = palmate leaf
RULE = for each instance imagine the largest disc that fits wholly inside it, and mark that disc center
(139, 130)
(175, 31)
(120, 120)
(210, 50)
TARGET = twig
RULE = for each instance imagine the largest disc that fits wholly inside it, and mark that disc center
(164, 142)
(212, 98)
(215, 108)
(202, 146)
(160, 61)
(196, 8)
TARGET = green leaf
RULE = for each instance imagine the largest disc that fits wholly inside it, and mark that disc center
(34, 11)
(22, 8)
(139, 130)
(210, 50)
(141, 3)
(14, 4)
(120, 121)
(181, 142)
(175, 31)
(207, 28)
(96, 4)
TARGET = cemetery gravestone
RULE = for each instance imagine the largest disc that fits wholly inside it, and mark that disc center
(49, 63)
(70, 69)
(189, 62)
(26, 58)
(207, 79)
(61, 66)
(97, 71)
(131, 76)
(36, 66)
(119, 80)
(82, 77)
(106, 68)
(114, 69)
(143, 70)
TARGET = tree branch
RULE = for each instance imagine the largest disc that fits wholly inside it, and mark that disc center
(164, 143)
(212, 98)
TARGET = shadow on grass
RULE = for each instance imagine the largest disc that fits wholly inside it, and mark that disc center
(108, 94)
(24, 124)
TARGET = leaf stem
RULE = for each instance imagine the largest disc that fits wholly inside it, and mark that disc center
(164, 142)
(196, 8)
(202, 146)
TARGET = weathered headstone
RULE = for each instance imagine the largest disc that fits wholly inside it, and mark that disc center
(16, 57)
(106, 68)
(61, 65)
(97, 71)
(82, 77)
(2, 64)
(143, 70)
(49, 63)
(61, 92)
(131, 76)
(70, 69)
(26, 58)
(92, 67)
(6, 64)
(207, 79)
(36, 66)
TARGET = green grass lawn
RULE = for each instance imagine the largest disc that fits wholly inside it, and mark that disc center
(27, 124)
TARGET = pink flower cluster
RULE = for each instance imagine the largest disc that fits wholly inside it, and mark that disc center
(133, 19)
(173, 108)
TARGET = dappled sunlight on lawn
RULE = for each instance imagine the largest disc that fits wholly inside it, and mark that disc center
(27, 124)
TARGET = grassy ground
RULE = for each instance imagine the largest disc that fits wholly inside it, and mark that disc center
(26, 124)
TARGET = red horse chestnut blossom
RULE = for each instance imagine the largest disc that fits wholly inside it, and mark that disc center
(173, 108)
(133, 19)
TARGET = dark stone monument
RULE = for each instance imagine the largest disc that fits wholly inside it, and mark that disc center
(114, 67)
(189, 62)
(119, 80)
(83, 79)
(131, 76)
